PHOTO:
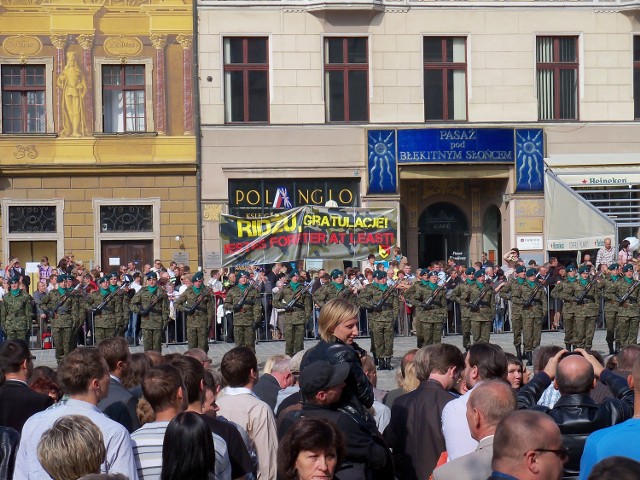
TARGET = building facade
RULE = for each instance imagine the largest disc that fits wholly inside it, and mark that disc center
(446, 110)
(98, 152)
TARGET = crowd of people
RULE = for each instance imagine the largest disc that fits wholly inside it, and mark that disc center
(107, 413)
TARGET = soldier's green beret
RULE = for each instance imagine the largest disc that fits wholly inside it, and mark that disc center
(14, 279)
(241, 273)
(379, 274)
(113, 275)
(584, 268)
(433, 273)
(152, 275)
(571, 268)
(479, 273)
(532, 272)
(200, 276)
(470, 271)
(294, 273)
(613, 266)
(103, 279)
(521, 268)
(338, 273)
(627, 267)
(62, 277)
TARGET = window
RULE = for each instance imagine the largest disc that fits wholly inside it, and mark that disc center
(636, 77)
(557, 78)
(23, 99)
(126, 218)
(445, 78)
(346, 79)
(246, 79)
(123, 98)
(32, 218)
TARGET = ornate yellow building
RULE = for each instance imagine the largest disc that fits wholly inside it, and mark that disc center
(97, 144)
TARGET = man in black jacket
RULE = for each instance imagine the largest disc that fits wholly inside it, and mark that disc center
(17, 401)
(367, 455)
(269, 384)
(415, 430)
(575, 413)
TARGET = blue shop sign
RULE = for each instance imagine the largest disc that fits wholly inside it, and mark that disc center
(446, 145)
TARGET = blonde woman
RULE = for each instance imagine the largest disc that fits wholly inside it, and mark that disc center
(338, 328)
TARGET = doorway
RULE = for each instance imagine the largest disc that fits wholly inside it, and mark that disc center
(443, 233)
(33, 252)
(492, 234)
(116, 253)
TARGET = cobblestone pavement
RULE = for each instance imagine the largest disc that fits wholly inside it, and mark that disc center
(386, 379)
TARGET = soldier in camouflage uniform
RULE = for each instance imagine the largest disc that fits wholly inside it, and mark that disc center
(482, 306)
(67, 319)
(586, 310)
(17, 311)
(430, 306)
(628, 311)
(611, 306)
(381, 316)
(197, 319)
(106, 320)
(460, 295)
(334, 289)
(296, 316)
(512, 292)
(152, 303)
(563, 291)
(534, 306)
(247, 314)
(122, 321)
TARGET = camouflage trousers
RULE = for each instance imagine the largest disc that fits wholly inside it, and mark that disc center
(531, 331)
(516, 326)
(198, 333)
(17, 334)
(569, 321)
(466, 331)
(64, 341)
(611, 320)
(384, 338)
(152, 339)
(293, 336)
(244, 336)
(628, 330)
(584, 330)
(432, 332)
(481, 331)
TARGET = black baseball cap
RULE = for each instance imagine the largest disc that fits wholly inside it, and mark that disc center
(321, 374)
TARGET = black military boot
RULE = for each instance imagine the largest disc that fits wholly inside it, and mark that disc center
(529, 356)
(567, 346)
(519, 352)
(375, 360)
(388, 363)
(611, 349)
(616, 347)
(381, 364)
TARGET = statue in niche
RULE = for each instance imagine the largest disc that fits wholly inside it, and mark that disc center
(71, 82)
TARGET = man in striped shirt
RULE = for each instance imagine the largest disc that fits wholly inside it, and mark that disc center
(163, 388)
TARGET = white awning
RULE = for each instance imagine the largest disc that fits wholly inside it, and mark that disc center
(572, 223)
(596, 169)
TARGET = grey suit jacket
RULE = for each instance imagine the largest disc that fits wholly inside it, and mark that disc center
(120, 406)
(473, 466)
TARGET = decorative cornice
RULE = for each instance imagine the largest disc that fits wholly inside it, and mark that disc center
(158, 40)
(185, 40)
(59, 40)
(85, 40)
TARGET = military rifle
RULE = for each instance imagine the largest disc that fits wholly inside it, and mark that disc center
(436, 292)
(587, 289)
(298, 295)
(240, 304)
(199, 299)
(153, 303)
(628, 293)
(63, 299)
(108, 298)
(537, 288)
(488, 287)
(385, 295)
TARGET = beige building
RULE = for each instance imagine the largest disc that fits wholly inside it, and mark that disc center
(98, 152)
(458, 104)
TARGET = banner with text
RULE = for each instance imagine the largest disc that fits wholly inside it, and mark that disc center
(309, 232)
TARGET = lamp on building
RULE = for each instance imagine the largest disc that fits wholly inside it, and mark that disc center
(506, 197)
(180, 240)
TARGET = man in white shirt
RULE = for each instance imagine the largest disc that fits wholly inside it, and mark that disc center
(238, 404)
(488, 403)
(84, 375)
(483, 361)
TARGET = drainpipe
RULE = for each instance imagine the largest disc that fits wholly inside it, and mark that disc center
(197, 132)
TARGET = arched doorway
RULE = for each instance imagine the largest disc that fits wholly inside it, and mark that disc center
(492, 234)
(443, 232)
